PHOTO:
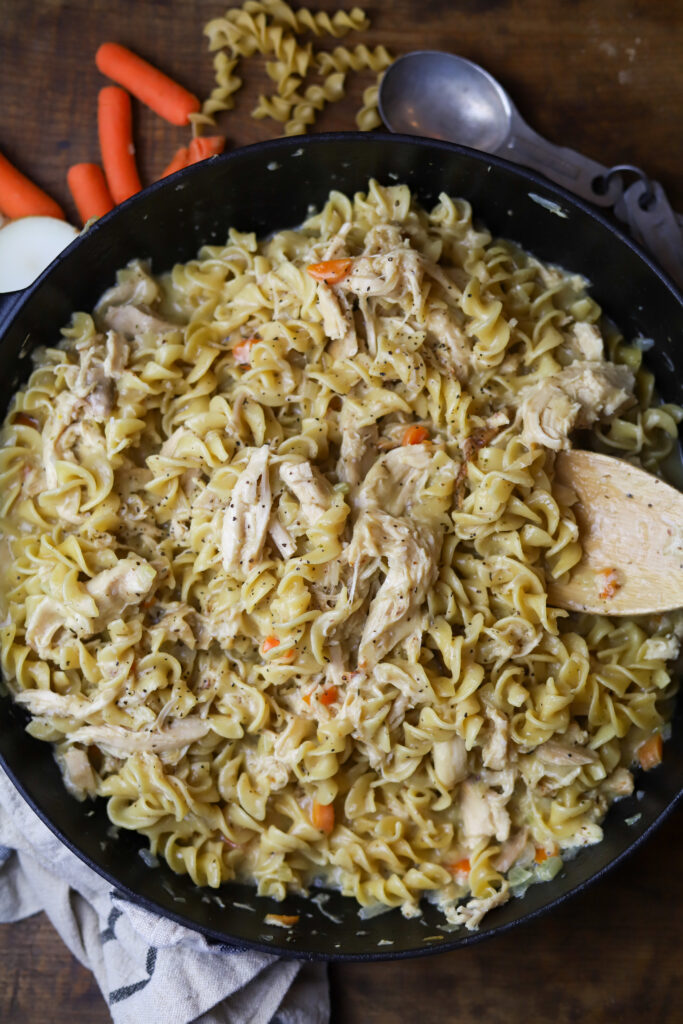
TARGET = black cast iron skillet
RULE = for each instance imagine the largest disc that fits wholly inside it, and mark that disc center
(264, 188)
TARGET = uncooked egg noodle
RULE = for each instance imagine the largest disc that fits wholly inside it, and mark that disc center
(281, 525)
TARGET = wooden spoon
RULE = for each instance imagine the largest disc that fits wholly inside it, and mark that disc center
(631, 530)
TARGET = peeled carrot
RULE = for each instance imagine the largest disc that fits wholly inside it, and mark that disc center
(415, 435)
(650, 752)
(322, 816)
(205, 146)
(180, 160)
(269, 643)
(19, 197)
(115, 124)
(330, 271)
(329, 696)
(88, 186)
(151, 86)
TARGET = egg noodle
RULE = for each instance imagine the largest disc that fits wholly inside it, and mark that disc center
(279, 540)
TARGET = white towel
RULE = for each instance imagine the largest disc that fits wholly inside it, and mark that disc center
(148, 968)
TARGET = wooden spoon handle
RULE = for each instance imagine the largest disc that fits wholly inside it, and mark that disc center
(631, 530)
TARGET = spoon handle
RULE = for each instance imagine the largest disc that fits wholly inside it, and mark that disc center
(566, 167)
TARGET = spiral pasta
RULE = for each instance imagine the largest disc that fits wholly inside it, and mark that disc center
(282, 523)
(272, 27)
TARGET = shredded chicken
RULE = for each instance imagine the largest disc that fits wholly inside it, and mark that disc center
(115, 589)
(309, 487)
(246, 519)
(450, 761)
(78, 773)
(411, 553)
(558, 753)
(483, 810)
(117, 740)
(356, 453)
(574, 398)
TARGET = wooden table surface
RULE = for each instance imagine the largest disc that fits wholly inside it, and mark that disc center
(605, 78)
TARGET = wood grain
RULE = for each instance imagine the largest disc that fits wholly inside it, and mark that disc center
(605, 79)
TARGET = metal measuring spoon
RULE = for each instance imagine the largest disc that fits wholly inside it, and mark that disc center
(444, 96)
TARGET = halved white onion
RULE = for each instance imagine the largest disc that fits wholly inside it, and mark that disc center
(27, 246)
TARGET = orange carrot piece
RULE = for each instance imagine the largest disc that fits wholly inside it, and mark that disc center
(205, 146)
(180, 160)
(322, 817)
(542, 854)
(330, 271)
(650, 752)
(282, 920)
(269, 643)
(461, 867)
(88, 186)
(330, 695)
(415, 435)
(19, 197)
(242, 351)
(152, 87)
(115, 125)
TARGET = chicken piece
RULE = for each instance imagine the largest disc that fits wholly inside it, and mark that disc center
(450, 761)
(51, 704)
(134, 285)
(308, 486)
(494, 753)
(619, 783)
(411, 552)
(394, 275)
(281, 537)
(117, 588)
(665, 648)
(575, 397)
(558, 753)
(356, 454)
(586, 340)
(449, 343)
(131, 321)
(79, 776)
(483, 811)
(246, 519)
(395, 482)
(516, 848)
(116, 740)
(116, 358)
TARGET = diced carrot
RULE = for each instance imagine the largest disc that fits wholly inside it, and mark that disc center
(609, 582)
(151, 86)
(269, 643)
(415, 435)
(330, 271)
(282, 920)
(329, 696)
(19, 197)
(242, 351)
(322, 816)
(461, 867)
(204, 146)
(88, 186)
(650, 752)
(542, 854)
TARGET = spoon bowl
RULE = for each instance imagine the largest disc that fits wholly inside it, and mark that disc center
(447, 97)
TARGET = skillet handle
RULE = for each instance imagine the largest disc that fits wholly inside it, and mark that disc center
(8, 300)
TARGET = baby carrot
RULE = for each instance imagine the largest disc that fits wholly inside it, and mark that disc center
(115, 124)
(151, 86)
(330, 271)
(88, 187)
(415, 435)
(205, 146)
(180, 160)
(19, 197)
(322, 816)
